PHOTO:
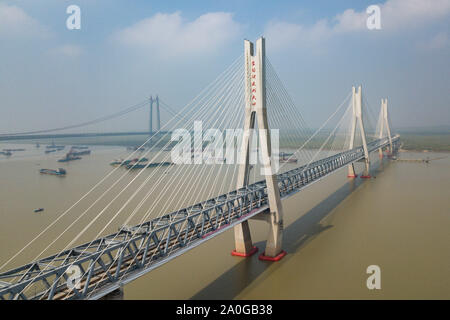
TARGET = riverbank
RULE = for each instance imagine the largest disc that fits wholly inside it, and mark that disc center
(425, 142)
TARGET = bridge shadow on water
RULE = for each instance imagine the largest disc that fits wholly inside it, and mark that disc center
(295, 236)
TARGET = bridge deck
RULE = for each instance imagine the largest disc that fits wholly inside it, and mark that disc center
(109, 262)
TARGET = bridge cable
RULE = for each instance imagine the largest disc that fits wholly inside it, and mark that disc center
(285, 99)
(325, 123)
(154, 203)
(204, 167)
(205, 185)
(325, 142)
(83, 124)
(212, 85)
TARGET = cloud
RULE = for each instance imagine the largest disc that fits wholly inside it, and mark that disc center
(170, 35)
(396, 15)
(283, 34)
(71, 51)
(15, 22)
(350, 20)
(439, 41)
(400, 14)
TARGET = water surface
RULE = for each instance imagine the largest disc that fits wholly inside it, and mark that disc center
(334, 229)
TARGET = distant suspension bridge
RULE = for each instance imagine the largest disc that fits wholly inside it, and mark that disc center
(50, 133)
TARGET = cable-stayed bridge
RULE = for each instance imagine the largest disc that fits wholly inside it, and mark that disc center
(233, 193)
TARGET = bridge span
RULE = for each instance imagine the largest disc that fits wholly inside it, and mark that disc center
(107, 263)
(79, 135)
(117, 259)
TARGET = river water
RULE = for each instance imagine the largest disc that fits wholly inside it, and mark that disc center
(334, 230)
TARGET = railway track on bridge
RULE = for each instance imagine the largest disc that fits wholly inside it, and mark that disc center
(109, 262)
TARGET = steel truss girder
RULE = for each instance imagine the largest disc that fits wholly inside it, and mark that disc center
(138, 249)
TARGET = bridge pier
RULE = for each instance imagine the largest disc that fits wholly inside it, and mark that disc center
(243, 241)
(351, 171)
(273, 250)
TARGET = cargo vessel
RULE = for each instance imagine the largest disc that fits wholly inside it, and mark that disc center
(13, 150)
(54, 149)
(59, 172)
(116, 163)
(121, 162)
(69, 157)
(148, 165)
(54, 146)
(130, 161)
(287, 158)
(80, 153)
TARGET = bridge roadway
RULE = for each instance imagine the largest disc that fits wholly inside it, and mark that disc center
(109, 262)
(6, 137)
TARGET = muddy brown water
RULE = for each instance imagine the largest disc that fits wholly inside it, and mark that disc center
(335, 229)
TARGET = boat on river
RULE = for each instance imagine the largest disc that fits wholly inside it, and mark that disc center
(69, 157)
(58, 172)
(148, 165)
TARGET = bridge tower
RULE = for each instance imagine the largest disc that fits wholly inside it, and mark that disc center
(385, 123)
(255, 110)
(158, 116)
(151, 115)
(357, 118)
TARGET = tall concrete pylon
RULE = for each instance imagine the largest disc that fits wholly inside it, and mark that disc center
(385, 123)
(158, 114)
(255, 110)
(357, 118)
(151, 115)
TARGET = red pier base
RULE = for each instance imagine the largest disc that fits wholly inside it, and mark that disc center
(277, 258)
(244, 255)
(366, 177)
(352, 176)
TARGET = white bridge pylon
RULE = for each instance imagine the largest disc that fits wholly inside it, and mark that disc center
(357, 118)
(255, 110)
(158, 115)
(385, 123)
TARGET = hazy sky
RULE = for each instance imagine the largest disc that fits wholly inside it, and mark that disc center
(126, 50)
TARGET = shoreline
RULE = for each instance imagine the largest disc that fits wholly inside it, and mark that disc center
(424, 150)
